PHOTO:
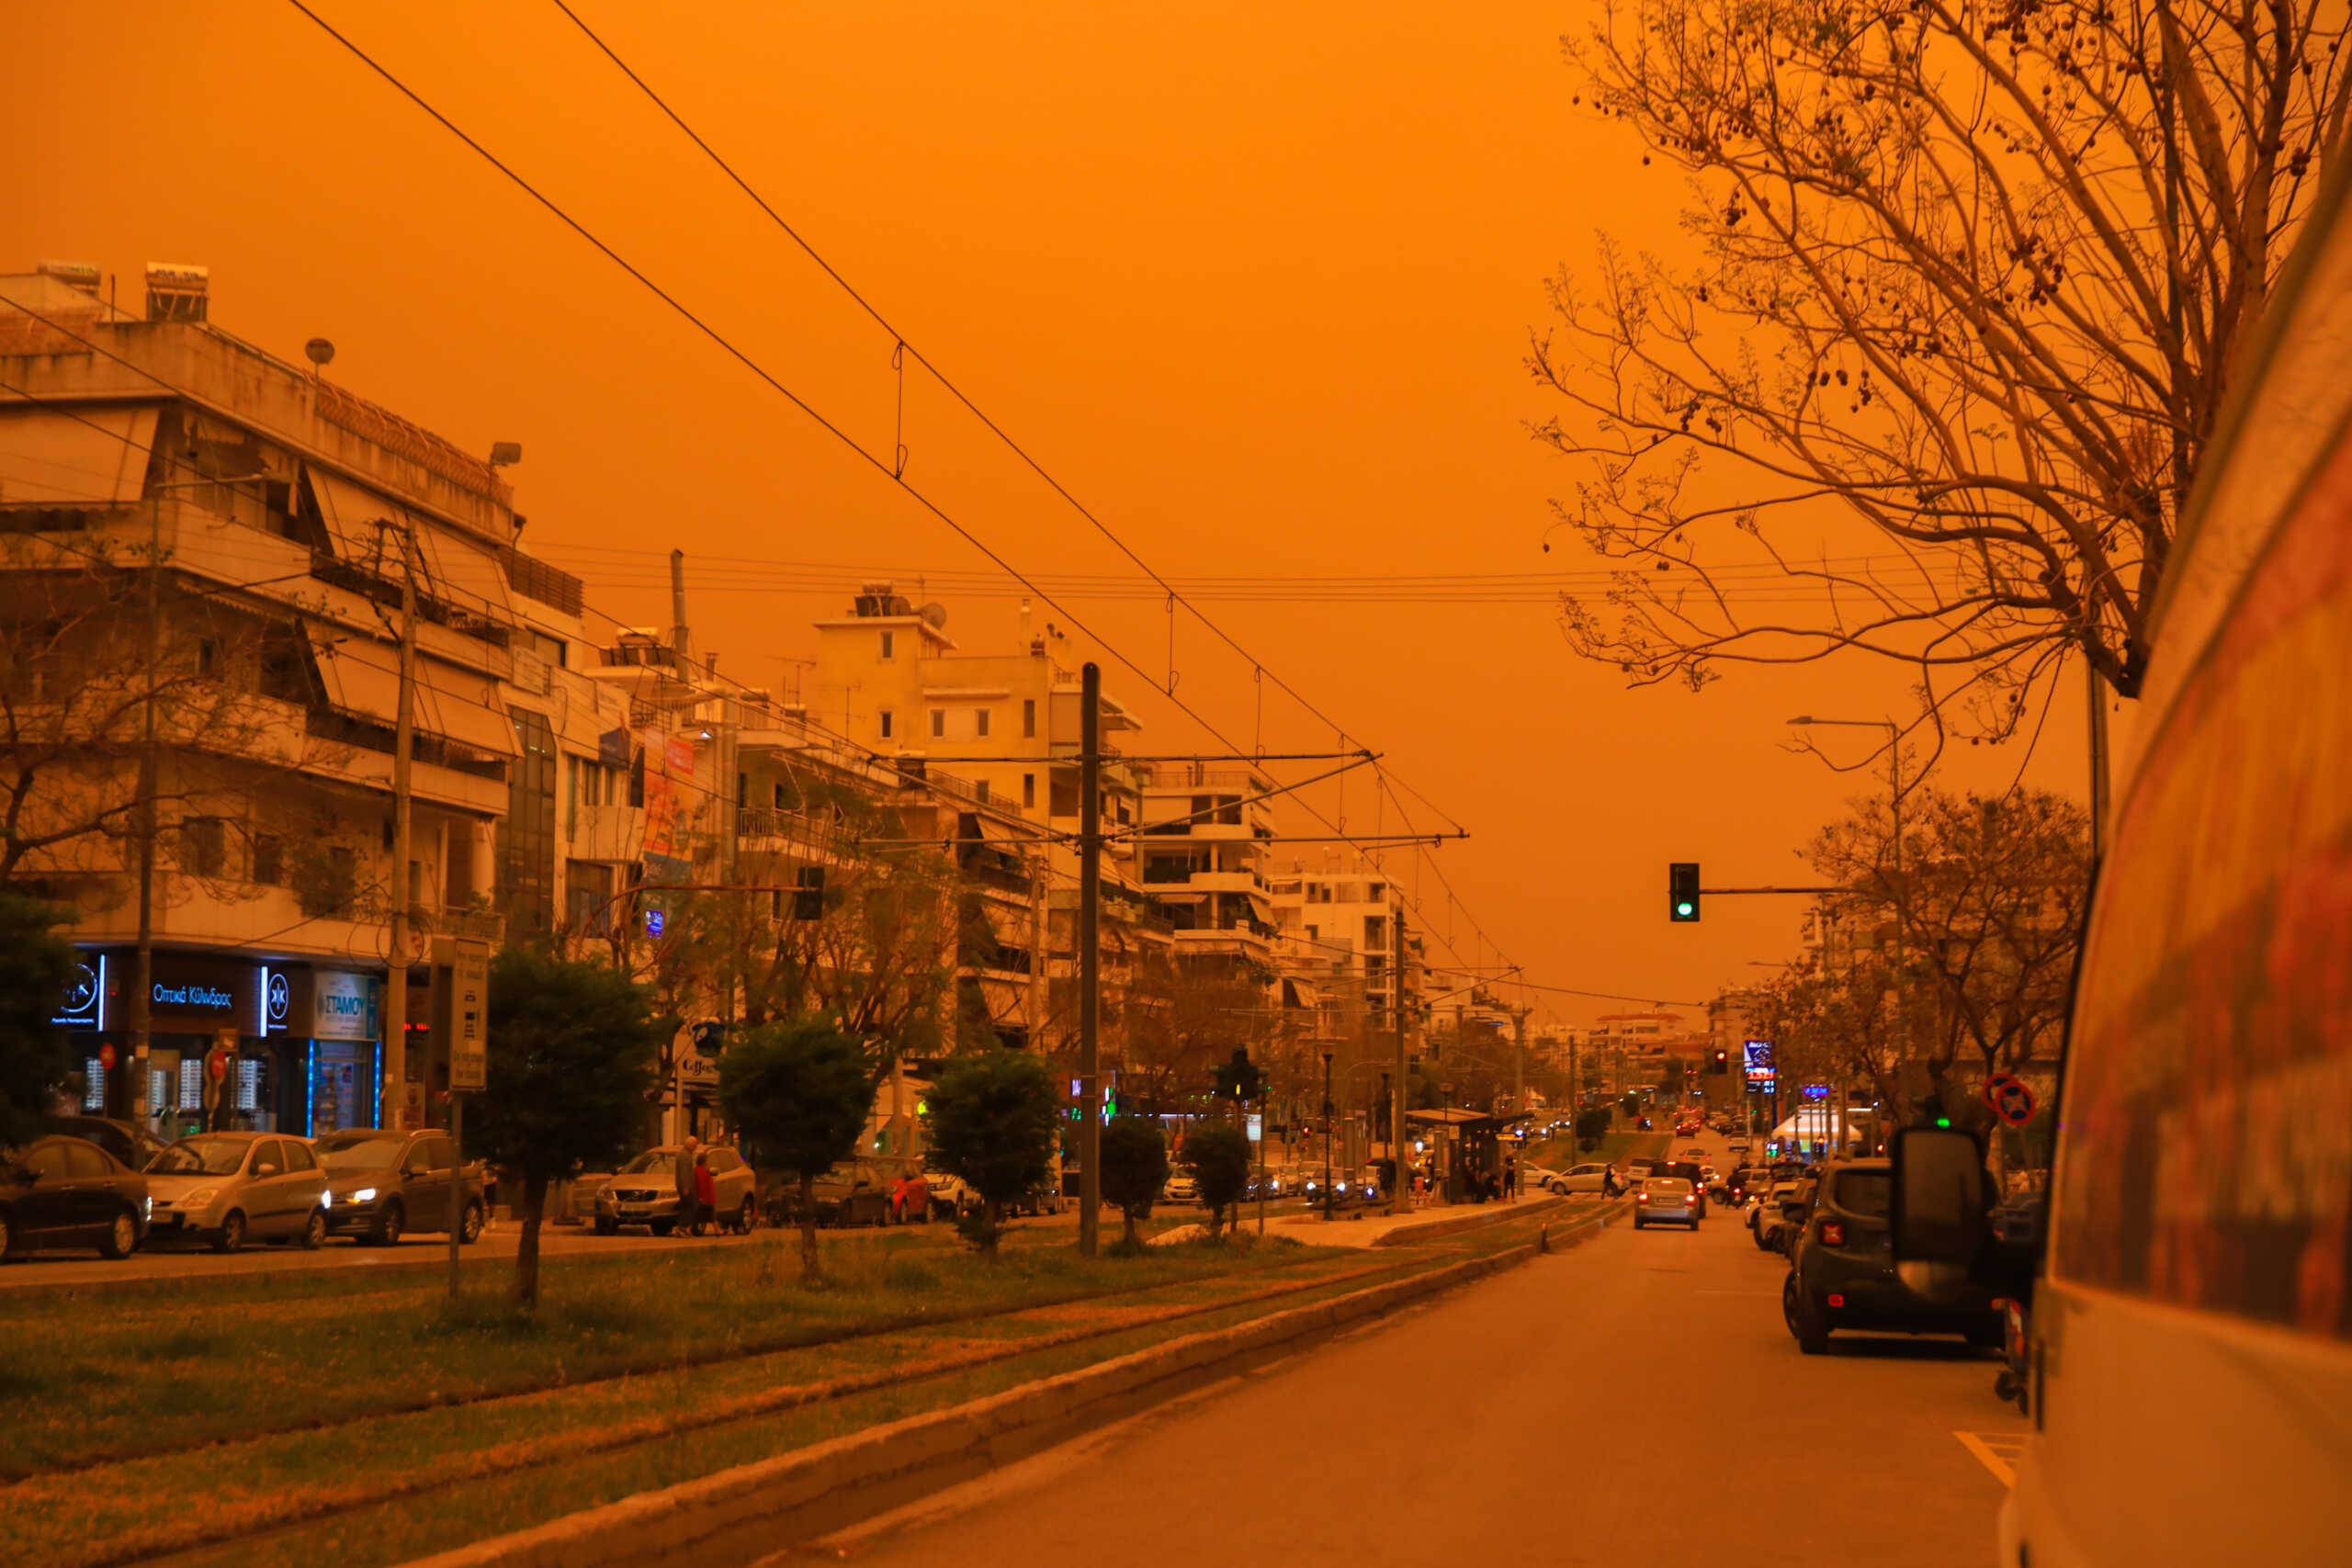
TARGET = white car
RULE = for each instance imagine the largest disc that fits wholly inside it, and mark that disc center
(1536, 1177)
(1181, 1189)
(950, 1195)
(1599, 1178)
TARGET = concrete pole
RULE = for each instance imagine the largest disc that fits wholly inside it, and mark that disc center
(404, 750)
(1400, 1196)
(1089, 972)
(134, 1072)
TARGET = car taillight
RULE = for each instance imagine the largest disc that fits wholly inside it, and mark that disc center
(1832, 1234)
(1641, 1197)
(1837, 1300)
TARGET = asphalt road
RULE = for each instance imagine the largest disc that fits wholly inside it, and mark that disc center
(1633, 1401)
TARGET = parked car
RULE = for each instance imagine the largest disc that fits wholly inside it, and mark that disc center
(1841, 1270)
(65, 1191)
(1668, 1199)
(1181, 1189)
(950, 1195)
(855, 1193)
(1536, 1177)
(226, 1189)
(645, 1192)
(1593, 1177)
(130, 1145)
(382, 1182)
(1784, 1214)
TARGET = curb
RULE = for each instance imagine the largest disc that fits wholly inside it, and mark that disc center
(749, 1512)
(1405, 1235)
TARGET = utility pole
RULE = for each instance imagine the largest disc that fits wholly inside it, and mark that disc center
(404, 750)
(1400, 1191)
(1089, 972)
(143, 967)
(1518, 1061)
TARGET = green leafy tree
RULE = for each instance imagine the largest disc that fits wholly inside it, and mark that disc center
(1218, 1160)
(800, 1094)
(572, 1047)
(1592, 1126)
(1134, 1167)
(992, 1123)
(35, 1058)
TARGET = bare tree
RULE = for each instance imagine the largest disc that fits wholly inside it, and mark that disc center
(1977, 276)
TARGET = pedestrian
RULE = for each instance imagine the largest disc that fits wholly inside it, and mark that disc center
(706, 1194)
(1510, 1176)
(682, 1173)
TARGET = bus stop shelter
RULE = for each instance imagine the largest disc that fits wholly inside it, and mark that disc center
(1460, 1141)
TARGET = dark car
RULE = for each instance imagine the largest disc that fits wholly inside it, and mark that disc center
(382, 1182)
(1688, 1171)
(128, 1142)
(61, 1191)
(1841, 1270)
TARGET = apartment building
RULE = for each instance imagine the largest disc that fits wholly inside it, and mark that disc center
(1340, 932)
(192, 526)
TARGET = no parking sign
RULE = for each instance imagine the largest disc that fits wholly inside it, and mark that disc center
(2010, 1097)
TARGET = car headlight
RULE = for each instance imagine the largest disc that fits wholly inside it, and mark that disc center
(199, 1197)
(146, 1207)
(365, 1195)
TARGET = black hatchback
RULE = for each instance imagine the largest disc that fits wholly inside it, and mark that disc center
(61, 1191)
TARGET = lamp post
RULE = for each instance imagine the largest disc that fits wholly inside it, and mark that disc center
(1327, 1135)
(1894, 806)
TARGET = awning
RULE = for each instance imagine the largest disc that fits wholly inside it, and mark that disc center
(94, 456)
(362, 677)
(454, 570)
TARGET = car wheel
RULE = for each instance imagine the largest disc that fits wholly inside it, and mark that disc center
(121, 1237)
(1639, 1222)
(746, 1217)
(7, 1235)
(232, 1233)
(607, 1227)
(469, 1227)
(315, 1231)
(389, 1219)
(1811, 1334)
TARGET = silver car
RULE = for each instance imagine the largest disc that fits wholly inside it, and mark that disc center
(226, 1189)
(1594, 1177)
(1665, 1199)
(645, 1193)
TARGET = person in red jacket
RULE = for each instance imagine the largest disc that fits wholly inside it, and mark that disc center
(706, 1195)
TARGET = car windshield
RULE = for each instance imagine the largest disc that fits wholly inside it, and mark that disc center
(360, 1151)
(651, 1159)
(1869, 1193)
(202, 1156)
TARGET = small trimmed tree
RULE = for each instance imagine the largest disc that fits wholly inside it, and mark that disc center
(1134, 1167)
(572, 1047)
(1592, 1126)
(1218, 1160)
(992, 1123)
(35, 1058)
(801, 1093)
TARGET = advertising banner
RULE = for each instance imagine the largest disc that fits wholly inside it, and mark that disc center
(1755, 1057)
(343, 1006)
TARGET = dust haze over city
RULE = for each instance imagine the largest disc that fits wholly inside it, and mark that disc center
(1639, 559)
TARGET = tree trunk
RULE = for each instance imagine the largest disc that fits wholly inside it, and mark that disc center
(1129, 1217)
(1216, 1222)
(808, 1275)
(526, 1251)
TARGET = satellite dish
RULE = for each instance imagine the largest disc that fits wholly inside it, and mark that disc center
(934, 615)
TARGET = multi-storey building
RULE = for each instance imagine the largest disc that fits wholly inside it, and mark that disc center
(1340, 932)
(200, 530)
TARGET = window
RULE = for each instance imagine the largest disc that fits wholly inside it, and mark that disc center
(526, 880)
(890, 645)
(979, 721)
(269, 860)
(207, 846)
(86, 1162)
(1028, 718)
(208, 656)
(939, 721)
(742, 790)
(884, 716)
(1028, 789)
(298, 1155)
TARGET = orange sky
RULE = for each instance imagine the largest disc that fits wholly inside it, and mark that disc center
(1253, 281)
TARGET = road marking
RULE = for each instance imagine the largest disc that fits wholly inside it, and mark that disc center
(1998, 1451)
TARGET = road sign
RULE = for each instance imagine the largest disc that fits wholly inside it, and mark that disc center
(105, 1058)
(469, 1015)
(2010, 1097)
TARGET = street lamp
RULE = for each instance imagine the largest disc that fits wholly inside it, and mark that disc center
(1894, 787)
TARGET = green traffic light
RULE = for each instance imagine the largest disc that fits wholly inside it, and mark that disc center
(1683, 909)
(1943, 1120)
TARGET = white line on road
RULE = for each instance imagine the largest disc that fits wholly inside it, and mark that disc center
(1994, 1450)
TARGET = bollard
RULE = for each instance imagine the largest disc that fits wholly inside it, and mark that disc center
(1544, 1237)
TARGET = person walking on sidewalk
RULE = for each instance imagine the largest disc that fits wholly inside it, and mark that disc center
(1510, 1176)
(682, 1173)
(706, 1195)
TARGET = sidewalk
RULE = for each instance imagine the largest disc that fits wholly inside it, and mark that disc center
(1363, 1228)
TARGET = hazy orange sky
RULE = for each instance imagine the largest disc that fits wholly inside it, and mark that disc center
(1254, 282)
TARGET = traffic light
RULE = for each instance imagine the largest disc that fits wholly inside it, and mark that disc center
(1682, 890)
(1722, 1061)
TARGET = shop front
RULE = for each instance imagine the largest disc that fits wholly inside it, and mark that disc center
(233, 1042)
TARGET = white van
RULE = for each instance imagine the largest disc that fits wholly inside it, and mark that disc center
(2190, 1366)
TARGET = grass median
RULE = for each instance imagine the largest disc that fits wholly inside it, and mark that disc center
(374, 1489)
